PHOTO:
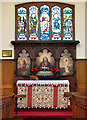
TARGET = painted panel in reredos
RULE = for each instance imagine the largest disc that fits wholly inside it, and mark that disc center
(23, 63)
(66, 63)
(45, 61)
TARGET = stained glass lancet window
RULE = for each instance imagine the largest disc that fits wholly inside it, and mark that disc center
(44, 22)
(21, 23)
(56, 22)
(33, 23)
(67, 24)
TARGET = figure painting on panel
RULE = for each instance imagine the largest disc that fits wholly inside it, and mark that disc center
(45, 64)
(23, 66)
(45, 61)
(66, 63)
(23, 63)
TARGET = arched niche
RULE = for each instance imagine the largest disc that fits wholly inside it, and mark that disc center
(45, 61)
(66, 63)
(23, 63)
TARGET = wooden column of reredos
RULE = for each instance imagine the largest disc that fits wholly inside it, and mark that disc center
(55, 47)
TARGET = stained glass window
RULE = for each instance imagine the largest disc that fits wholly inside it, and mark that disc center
(21, 24)
(44, 22)
(33, 23)
(56, 22)
(67, 24)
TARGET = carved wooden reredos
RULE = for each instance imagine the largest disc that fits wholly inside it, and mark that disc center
(59, 46)
(54, 50)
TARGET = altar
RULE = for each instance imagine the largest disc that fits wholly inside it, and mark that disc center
(43, 94)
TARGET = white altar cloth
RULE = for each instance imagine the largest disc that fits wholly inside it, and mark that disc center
(28, 82)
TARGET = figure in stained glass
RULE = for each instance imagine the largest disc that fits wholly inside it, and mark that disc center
(44, 22)
(67, 24)
(33, 23)
(56, 23)
(22, 24)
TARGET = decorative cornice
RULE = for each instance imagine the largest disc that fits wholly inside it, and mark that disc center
(26, 42)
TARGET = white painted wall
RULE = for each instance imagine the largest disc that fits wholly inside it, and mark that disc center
(8, 27)
(0, 28)
(80, 29)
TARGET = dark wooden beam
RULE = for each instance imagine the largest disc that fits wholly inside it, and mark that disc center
(44, 42)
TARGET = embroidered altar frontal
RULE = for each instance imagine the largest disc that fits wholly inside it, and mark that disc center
(43, 94)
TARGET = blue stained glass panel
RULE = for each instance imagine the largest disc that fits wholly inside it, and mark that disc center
(56, 22)
(44, 22)
(21, 24)
(67, 24)
(33, 23)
